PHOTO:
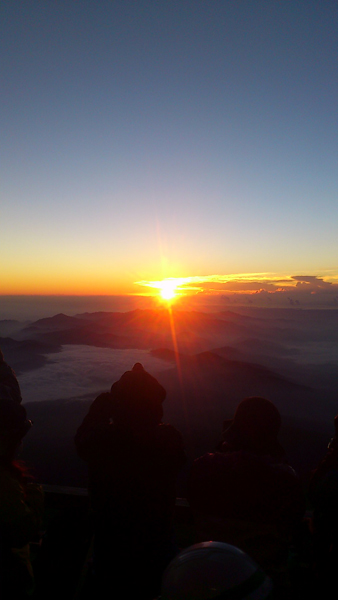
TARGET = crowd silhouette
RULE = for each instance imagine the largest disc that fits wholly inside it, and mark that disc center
(247, 501)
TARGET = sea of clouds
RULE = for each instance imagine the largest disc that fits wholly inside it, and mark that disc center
(80, 370)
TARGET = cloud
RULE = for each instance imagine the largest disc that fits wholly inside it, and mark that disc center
(316, 283)
(79, 370)
(260, 289)
(293, 302)
(236, 282)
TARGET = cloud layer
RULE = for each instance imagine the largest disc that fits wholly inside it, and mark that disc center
(260, 289)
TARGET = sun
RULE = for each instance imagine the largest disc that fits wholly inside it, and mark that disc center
(168, 289)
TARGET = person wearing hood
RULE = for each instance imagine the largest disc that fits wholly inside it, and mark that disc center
(133, 462)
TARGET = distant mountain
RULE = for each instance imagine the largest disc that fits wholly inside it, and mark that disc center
(295, 315)
(9, 326)
(275, 342)
(255, 346)
(179, 330)
(288, 325)
(166, 354)
(230, 352)
(286, 361)
(57, 322)
(205, 389)
(227, 374)
(27, 354)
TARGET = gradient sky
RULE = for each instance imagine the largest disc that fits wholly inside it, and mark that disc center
(150, 139)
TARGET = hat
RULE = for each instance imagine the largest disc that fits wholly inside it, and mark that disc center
(138, 396)
(214, 570)
(255, 425)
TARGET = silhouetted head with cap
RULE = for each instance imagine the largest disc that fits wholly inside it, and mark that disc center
(255, 427)
(137, 399)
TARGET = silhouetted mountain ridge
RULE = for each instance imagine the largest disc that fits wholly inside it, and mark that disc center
(26, 355)
(190, 331)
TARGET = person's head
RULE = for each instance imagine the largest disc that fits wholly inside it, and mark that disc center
(137, 399)
(13, 426)
(214, 570)
(255, 427)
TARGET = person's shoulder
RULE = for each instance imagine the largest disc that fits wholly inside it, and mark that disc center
(7, 479)
(169, 443)
(102, 406)
(286, 469)
(167, 429)
(11, 491)
(273, 468)
(168, 434)
(281, 470)
(221, 459)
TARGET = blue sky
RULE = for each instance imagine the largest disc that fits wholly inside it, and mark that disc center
(152, 139)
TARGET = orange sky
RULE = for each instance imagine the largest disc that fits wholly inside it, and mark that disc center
(261, 289)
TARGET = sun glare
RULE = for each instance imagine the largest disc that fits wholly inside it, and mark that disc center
(168, 290)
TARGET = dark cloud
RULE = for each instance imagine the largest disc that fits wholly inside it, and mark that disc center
(293, 302)
(299, 290)
(311, 280)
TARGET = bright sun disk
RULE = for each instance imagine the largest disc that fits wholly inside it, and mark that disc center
(168, 290)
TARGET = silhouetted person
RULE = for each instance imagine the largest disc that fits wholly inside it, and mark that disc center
(246, 494)
(323, 492)
(9, 386)
(21, 506)
(133, 461)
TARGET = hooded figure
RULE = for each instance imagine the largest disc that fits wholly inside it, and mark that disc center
(246, 494)
(133, 462)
